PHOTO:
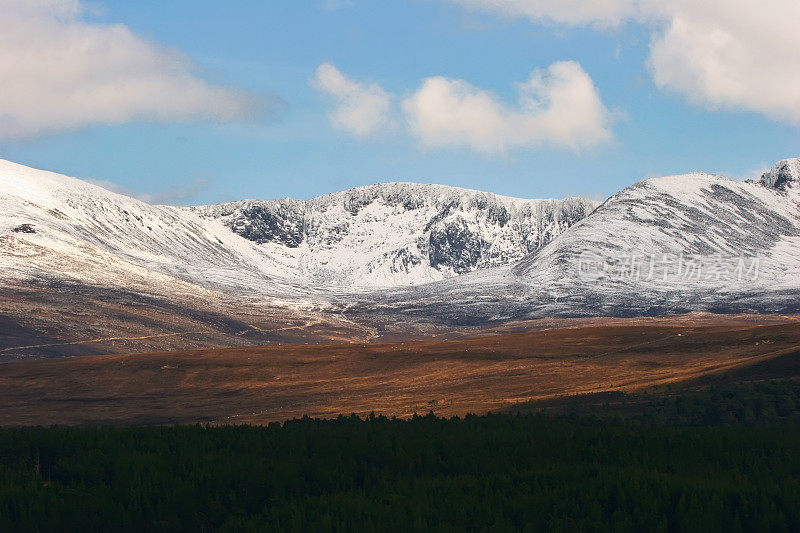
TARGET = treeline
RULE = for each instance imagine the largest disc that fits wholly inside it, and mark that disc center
(739, 403)
(488, 473)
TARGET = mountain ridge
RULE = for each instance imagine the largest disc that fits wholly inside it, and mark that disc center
(386, 260)
(436, 231)
(374, 236)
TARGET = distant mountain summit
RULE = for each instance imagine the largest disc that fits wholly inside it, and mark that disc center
(395, 234)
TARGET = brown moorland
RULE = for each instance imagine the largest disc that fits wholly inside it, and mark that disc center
(450, 377)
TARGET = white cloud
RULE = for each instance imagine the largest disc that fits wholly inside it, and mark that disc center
(361, 109)
(60, 71)
(557, 106)
(722, 54)
(742, 56)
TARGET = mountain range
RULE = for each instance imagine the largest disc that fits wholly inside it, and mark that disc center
(396, 234)
(86, 269)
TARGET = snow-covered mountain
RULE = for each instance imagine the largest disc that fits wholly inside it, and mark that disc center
(392, 258)
(675, 244)
(683, 232)
(397, 234)
(64, 229)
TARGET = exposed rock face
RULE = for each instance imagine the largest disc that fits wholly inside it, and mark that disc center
(454, 245)
(24, 228)
(279, 221)
(783, 175)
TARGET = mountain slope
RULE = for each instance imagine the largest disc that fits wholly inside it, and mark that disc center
(53, 226)
(694, 216)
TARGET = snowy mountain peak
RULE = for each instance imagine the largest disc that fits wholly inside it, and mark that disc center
(632, 252)
(784, 174)
(398, 233)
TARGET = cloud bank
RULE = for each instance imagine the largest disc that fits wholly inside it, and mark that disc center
(557, 106)
(742, 55)
(60, 71)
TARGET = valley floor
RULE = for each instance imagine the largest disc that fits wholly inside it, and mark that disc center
(503, 371)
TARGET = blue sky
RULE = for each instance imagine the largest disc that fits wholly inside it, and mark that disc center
(271, 51)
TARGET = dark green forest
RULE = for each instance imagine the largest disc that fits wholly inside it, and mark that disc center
(725, 458)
